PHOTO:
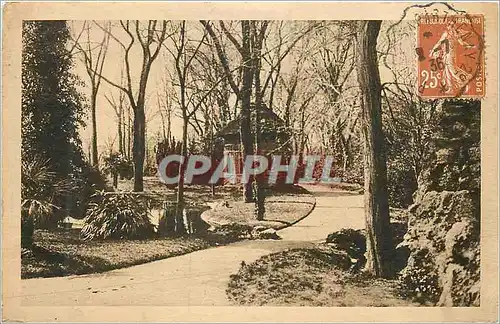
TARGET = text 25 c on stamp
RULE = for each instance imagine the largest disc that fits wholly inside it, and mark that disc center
(450, 53)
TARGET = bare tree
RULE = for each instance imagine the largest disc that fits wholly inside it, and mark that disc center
(183, 57)
(216, 110)
(244, 94)
(378, 231)
(94, 63)
(165, 109)
(191, 96)
(118, 108)
(407, 117)
(258, 32)
(333, 63)
(295, 91)
(275, 51)
(150, 39)
(246, 98)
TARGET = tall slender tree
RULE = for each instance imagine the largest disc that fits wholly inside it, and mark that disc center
(243, 93)
(258, 32)
(51, 106)
(93, 57)
(246, 98)
(183, 63)
(118, 108)
(51, 111)
(378, 232)
(150, 35)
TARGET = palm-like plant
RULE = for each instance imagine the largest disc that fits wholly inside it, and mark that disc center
(40, 188)
(117, 216)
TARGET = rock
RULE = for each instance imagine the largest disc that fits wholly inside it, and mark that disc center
(443, 228)
(401, 255)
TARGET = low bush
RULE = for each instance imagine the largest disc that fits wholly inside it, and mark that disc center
(352, 242)
(419, 281)
(41, 194)
(349, 240)
(117, 216)
(401, 183)
(286, 277)
(89, 181)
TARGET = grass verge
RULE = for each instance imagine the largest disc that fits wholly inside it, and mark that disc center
(310, 277)
(326, 274)
(284, 207)
(62, 253)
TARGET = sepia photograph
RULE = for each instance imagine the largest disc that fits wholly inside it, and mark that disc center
(289, 163)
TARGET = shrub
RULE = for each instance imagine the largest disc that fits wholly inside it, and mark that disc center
(349, 240)
(40, 191)
(419, 280)
(117, 216)
(88, 181)
(352, 242)
(117, 164)
(126, 168)
(401, 183)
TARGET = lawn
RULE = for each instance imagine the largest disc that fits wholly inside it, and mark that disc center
(59, 252)
(62, 252)
(284, 207)
(193, 194)
(326, 274)
(310, 277)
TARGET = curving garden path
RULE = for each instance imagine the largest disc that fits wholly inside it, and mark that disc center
(195, 279)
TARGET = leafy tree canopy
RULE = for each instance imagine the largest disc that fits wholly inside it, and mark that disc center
(52, 108)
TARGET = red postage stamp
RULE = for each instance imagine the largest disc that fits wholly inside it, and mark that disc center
(450, 53)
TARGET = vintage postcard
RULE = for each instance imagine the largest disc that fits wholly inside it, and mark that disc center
(250, 162)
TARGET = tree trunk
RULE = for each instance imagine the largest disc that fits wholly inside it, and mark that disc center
(163, 128)
(378, 232)
(124, 134)
(115, 179)
(95, 157)
(139, 148)
(169, 125)
(129, 131)
(246, 95)
(27, 229)
(120, 133)
(179, 220)
(260, 198)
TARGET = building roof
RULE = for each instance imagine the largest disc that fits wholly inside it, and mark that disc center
(271, 126)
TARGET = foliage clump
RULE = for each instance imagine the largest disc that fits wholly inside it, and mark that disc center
(419, 281)
(56, 179)
(117, 165)
(40, 191)
(117, 216)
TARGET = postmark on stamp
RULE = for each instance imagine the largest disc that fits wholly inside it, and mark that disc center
(450, 51)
